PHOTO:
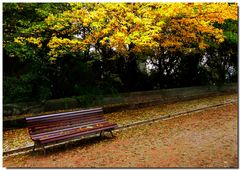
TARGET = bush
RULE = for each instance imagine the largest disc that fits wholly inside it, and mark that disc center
(17, 89)
(25, 88)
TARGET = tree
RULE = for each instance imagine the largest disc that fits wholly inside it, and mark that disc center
(134, 27)
(221, 60)
(110, 40)
(27, 69)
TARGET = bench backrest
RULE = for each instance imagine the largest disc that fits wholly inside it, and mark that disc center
(58, 121)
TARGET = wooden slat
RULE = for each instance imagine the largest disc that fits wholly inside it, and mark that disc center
(64, 113)
(59, 115)
(64, 119)
(68, 130)
(64, 127)
(44, 127)
(77, 134)
(66, 122)
(72, 119)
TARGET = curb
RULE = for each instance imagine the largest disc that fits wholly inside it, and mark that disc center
(169, 116)
(164, 117)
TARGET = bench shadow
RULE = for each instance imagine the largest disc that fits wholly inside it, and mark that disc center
(71, 145)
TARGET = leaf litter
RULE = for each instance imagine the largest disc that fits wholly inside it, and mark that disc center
(172, 143)
(19, 138)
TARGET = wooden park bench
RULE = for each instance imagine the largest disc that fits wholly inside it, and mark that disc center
(67, 125)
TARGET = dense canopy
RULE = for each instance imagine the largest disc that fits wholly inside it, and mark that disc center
(133, 27)
(112, 41)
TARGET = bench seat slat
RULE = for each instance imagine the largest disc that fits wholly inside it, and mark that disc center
(69, 131)
(78, 134)
(65, 129)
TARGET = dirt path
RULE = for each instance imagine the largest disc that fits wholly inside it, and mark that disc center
(19, 138)
(204, 139)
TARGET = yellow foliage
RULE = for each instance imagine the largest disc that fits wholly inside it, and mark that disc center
(19, 40)
(37, 41)
(146, 25)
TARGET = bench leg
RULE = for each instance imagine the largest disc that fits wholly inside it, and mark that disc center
(108, 131)
(34, 146)
(44, 150)
(39, 145)
(111, 133)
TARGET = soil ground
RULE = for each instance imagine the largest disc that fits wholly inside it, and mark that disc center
(203, 139)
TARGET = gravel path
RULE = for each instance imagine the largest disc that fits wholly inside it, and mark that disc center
(203, 139)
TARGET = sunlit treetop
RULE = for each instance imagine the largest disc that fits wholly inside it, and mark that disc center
(135, 27)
